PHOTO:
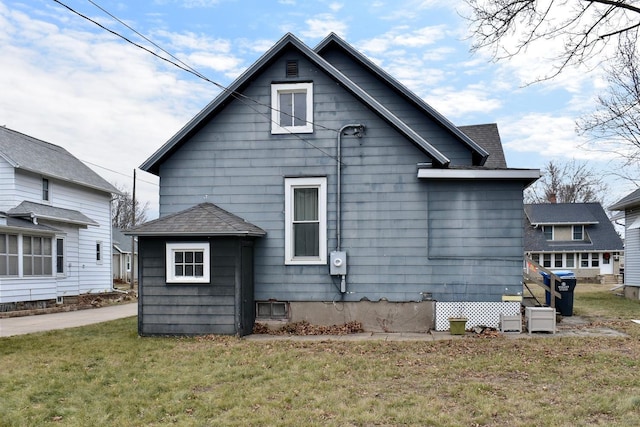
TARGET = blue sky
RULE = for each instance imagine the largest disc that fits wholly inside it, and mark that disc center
(69, 82)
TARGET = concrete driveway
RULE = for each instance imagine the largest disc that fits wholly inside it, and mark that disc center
(71, 319)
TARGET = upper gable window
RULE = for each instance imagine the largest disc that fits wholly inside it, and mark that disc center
(291, 108)
(578, 232)
(548, 232)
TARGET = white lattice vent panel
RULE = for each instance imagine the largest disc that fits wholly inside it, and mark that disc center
(478, 313)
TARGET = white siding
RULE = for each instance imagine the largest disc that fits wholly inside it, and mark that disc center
(82, 272)
(632, 249)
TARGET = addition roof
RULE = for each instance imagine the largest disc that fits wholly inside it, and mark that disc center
(488, 137)
(20, 224)
(51, 161)
(152, 164)
(205, 219)
(51, 213)
(629, 201)
(600, 233)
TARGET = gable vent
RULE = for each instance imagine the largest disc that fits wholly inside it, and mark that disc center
(292, 69)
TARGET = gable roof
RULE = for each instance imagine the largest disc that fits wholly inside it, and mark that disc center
(152, 164)
(332, 40)
(601, 233)
(120, 242)
(205, 219)
(27, 153)
(630, 200)
(51, 213)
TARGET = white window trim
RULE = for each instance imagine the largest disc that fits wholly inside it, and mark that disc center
(290, 184)
(194, 246)
(573, 232)
(64, 257)
(276, 89)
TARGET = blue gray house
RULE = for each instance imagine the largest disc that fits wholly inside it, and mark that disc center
(372, 205)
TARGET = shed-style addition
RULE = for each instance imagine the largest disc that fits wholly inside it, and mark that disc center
(366, 192)
(196, 273)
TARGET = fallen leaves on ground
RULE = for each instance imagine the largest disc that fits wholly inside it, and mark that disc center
(305, 328)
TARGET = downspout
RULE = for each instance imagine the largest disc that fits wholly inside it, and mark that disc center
(358, 132)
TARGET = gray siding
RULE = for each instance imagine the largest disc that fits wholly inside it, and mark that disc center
(430, 130)
(168, 309)
(236, 163)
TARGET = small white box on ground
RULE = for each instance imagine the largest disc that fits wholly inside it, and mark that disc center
(540, 319)
(511, 323)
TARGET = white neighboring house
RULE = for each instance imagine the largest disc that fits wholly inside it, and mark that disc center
(55, 222)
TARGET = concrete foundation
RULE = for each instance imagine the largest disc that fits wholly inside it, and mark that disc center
(381, 316)
(632, 292)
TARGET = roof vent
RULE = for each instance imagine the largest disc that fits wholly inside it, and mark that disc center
(292, 69)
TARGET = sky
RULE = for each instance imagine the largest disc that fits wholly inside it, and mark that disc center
(66, 80)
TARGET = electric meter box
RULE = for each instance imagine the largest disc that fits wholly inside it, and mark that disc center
(338, 263)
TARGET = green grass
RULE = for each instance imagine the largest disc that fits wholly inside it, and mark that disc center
(105, 375)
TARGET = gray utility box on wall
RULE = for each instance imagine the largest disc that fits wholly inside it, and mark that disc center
(338, 263)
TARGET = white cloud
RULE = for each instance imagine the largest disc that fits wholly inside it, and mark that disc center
(108, 103)
(324, 24)
(456, 104)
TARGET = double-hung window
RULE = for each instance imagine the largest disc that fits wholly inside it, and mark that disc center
(548, 232)
(60, 256)
(291, 108)
(306, 220)
(188, 262)
(45, 189)
(578, 232)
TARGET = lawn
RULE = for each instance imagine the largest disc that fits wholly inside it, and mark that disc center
(105, 375)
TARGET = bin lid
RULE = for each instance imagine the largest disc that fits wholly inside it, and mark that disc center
(560, 273)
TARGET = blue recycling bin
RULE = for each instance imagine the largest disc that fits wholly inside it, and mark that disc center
(566, 287)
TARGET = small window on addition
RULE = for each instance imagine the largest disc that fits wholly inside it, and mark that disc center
(272, 310)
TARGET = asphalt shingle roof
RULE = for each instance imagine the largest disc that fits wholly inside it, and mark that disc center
(51, 213)
(601, 233)
(628, 201)
(28, 153)
(488, 137)
(205, 219)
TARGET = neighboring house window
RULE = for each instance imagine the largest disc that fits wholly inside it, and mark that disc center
(187, 262)
(571, 260)
(305, 220)
(595, 260)
(45, 189)
(548, 232)
(584, 260)
(60, 256)
(557, 262)
(99, 252)
(8, 255)
(128, 262)
(292, 108)
(546, 260)
(37, 259)
(578, 232)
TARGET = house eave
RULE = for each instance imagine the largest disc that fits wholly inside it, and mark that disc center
(191, 234)
(527, 175)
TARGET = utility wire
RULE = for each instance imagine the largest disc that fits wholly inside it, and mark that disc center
(185, 67)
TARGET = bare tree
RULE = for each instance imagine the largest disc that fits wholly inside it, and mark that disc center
(122, 211)
(570, 182)
(617, 114)
(585, 28)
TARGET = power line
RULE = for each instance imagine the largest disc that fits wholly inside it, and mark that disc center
(185, 67)
(117, 172)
